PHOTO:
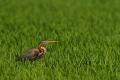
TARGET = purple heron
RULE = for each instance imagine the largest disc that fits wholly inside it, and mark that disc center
(35, 53)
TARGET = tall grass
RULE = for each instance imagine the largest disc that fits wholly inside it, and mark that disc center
(88, 31)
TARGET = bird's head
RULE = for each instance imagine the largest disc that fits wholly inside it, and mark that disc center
(42, 44)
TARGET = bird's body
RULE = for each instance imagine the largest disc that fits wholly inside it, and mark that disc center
(31, 54)
(34, 53)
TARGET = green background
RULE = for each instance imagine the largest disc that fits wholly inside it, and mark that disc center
(88, 31)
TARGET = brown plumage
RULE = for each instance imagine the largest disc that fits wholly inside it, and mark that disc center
(34, 53)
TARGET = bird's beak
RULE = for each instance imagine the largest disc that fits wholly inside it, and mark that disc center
(46, 42)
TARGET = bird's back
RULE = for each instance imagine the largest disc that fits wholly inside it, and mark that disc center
(30, 54)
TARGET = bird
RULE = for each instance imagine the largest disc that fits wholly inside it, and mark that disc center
(35, 53)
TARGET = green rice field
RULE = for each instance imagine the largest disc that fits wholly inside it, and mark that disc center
(88, 31)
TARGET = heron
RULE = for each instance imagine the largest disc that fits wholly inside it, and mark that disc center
(35, 53)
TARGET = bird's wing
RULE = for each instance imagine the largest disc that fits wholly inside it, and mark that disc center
(29, 55)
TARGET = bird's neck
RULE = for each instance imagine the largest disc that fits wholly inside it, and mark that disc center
(41, 50)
